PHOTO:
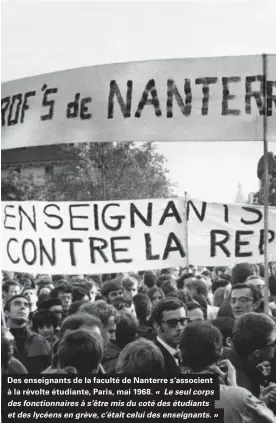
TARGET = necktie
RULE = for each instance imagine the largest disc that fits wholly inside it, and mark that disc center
(177, 356)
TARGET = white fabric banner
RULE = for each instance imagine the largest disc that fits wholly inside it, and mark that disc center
(271, 97)
(122, 236)
(223, 234)
(206, 99)
(90, 238)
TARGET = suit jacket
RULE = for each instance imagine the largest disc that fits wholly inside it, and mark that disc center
(170, 368)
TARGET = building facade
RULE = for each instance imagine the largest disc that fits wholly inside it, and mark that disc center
(37, 161)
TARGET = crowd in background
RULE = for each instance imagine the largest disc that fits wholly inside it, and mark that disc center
(155, 323)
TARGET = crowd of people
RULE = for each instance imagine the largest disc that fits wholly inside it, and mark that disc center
(167, 322)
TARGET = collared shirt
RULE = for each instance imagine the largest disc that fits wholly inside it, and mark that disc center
(170, 349)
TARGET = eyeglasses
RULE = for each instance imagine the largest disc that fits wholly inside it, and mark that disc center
(172, 323)
(241, 300)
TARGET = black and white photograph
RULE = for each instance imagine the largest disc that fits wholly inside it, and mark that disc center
(138, 212)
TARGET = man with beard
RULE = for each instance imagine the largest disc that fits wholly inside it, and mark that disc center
(31, 349)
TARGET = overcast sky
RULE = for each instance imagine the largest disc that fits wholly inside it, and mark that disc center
(40, 37)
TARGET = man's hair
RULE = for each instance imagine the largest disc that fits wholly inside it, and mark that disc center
(108, 277)
(150, 279)
(44, 317)
(142, 306)
(256, 293)
(167, 304)
(225, 325)
(48, 303)
(23, 281)
(162, 278)
(219, 296)
(141, 357)
(126, 328)
(82, 350)
(219, 283)
(272, 284)
(184, 296)
(143, 289)
(44, 280)
(251, 332)
(57, 278)
(97, 279)
(75, 306)
(193, 305)
(129, 281)
(79, 292)
(134, 275)
(226, 277)
(261, 270)
(199, 286)
(202, 302)
(181, 280)
(120, 303)
(63, 288)
(25, 275)
(77, 320)
(240, 272)
(168, 287)
(100, 309)
(88, 284)
(200, 345)
(111, 286)
(154, 290)
(6, 285)
(7, 306)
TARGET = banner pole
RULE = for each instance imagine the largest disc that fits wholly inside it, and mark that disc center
(186, 224)
(266, 275)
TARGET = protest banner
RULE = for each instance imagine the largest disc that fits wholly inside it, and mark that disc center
(223, 234)
(206, 99)
(271, 97)
(109, 237)
(93, 237)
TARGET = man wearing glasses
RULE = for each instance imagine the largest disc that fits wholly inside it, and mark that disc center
(245, 299)
(169, 318)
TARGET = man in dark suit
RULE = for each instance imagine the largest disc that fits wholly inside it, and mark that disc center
(169, 318)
